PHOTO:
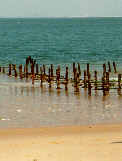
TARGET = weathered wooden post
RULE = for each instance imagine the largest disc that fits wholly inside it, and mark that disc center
(114, 65)
(85, 81)
(89, 84)
(73, 66)
(37, 69)
(44, 70)
(26, 70)
(119, 81)
(0, 69)
(33, 75)
(52, 71)
(58, 78)
(66, 78)
(109, 67)
(79, 70)
(104, 69)
(75, 72)
(41, 76)
(107, 81)
(49, 77)
(15, 71)
(20, 71)
(103, 85)
(87, 69)
(9, 70)
(95, 77)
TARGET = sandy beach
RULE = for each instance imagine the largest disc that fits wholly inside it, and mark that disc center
(66, 143)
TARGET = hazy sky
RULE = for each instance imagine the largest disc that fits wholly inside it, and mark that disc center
(60, 8)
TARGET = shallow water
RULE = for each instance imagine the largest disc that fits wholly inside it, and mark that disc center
(24, 105)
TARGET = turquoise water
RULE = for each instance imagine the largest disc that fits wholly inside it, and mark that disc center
(61, 40)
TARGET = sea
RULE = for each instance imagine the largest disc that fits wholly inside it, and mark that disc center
(58, 41)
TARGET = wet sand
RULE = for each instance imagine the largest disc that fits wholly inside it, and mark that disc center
(68, 143)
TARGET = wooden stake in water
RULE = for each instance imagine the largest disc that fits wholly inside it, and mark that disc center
(73, 67)
(49, 77)
(15, 71)
(95, 77)
(52, 71)
(75, 74)
(32, 69)
(114, 65)
(41, 76)
(109, 67)
(89, 84)
(66, 78)
(26, 70)
(87, 69)
(20, 71)
(103, 86)
(37, 69)
(119, 81)
(104, 69)
(79, 70)
(44, 70)
(9, 70)
(58, 78)
(85, 81)
(107, 81)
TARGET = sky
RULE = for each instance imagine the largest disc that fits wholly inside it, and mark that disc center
(60, 8)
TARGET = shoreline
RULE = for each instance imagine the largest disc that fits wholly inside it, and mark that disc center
(65, 143)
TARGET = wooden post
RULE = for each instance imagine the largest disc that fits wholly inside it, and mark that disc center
(20, 71)
(119, 81)
(37, 69)
(109, 67)
(52, 71)
(79, 70)
(0, 69)
(77, 82)
(85, 81)
(103, 86)
(73, 67)
(9, 70)
(114, 65)
(33, 75)
(41, 76)
(59, 70)
(87, 69)
(49, 77)
(89, 84)
(26, 70)
(75, 71)
(107, 81)
(15, 71)
(58, 78)
(44, 70)
(95, 77)
(104, 69)
(66, 78)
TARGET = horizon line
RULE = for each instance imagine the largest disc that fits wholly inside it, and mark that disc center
(62, 17)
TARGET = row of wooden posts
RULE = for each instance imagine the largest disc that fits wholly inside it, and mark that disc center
(31, 70)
